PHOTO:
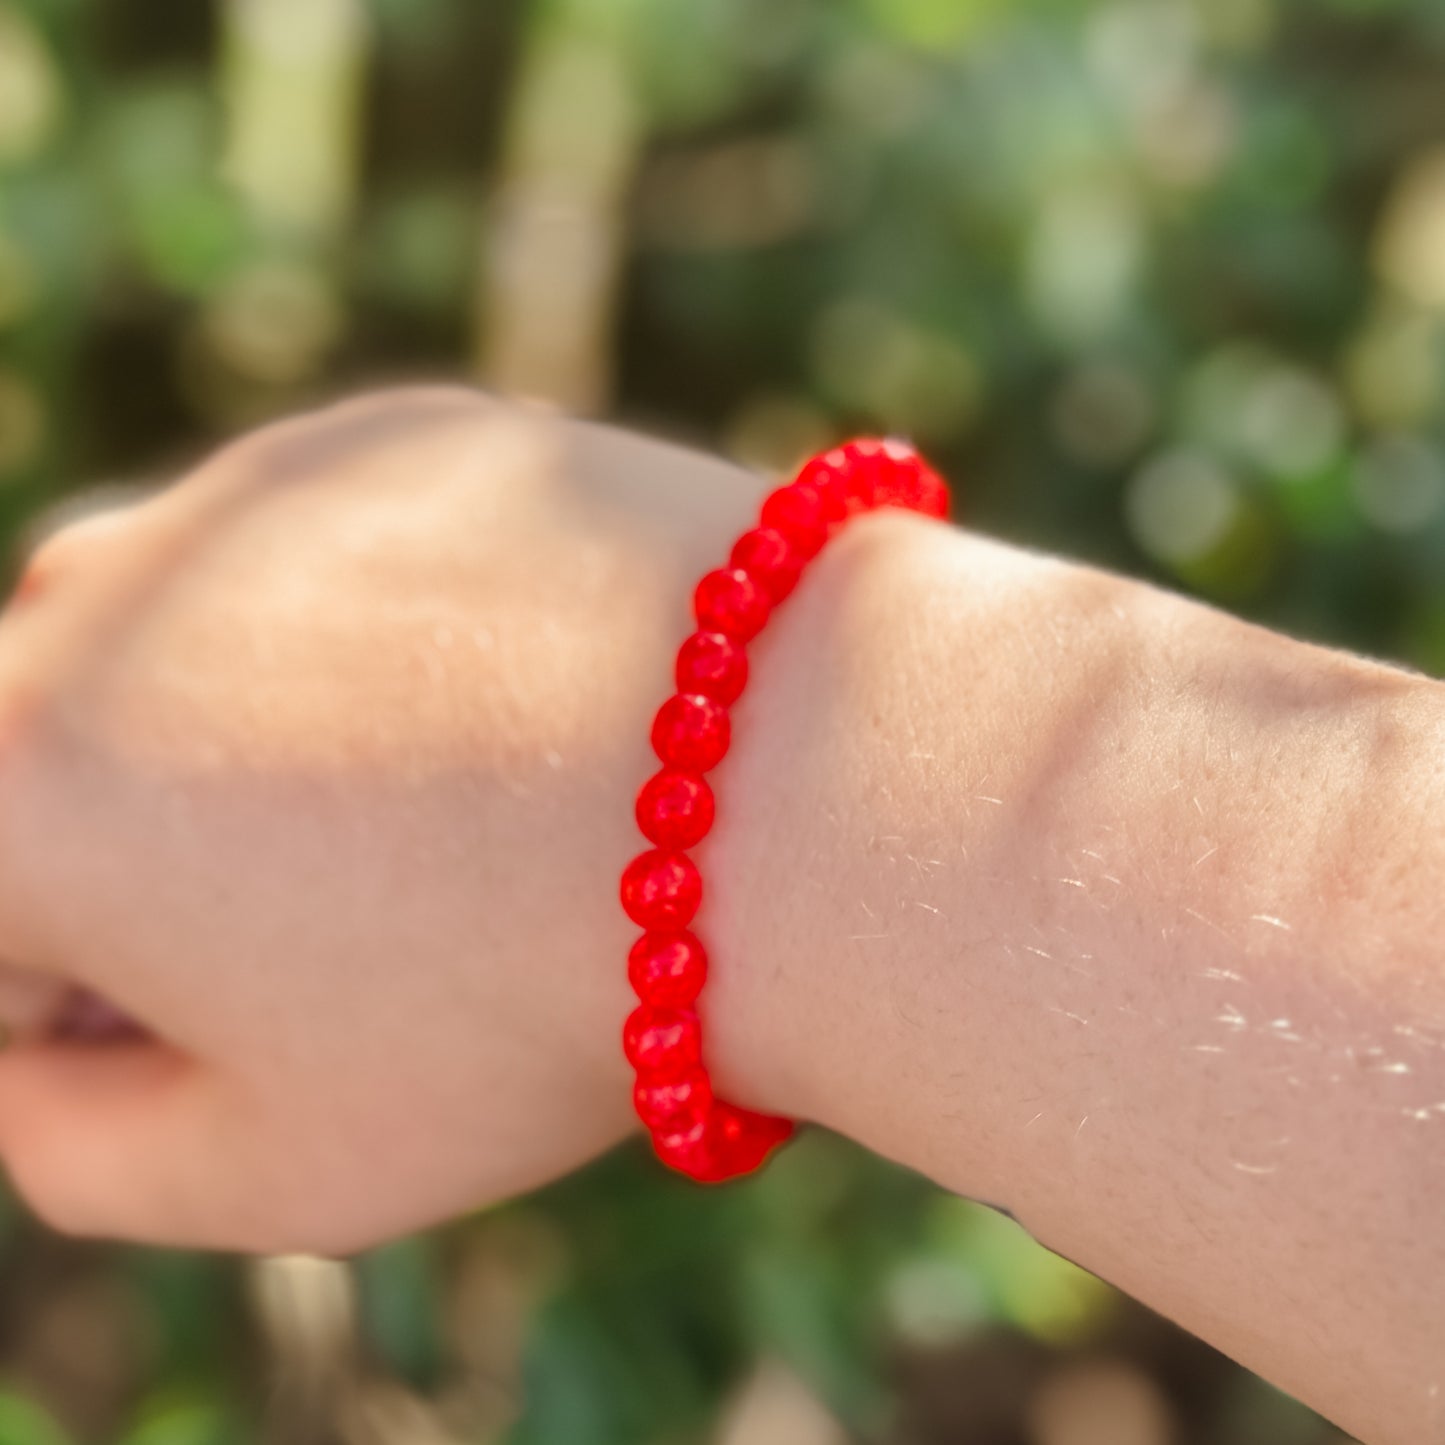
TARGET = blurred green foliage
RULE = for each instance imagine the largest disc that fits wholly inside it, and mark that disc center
(1159, 282)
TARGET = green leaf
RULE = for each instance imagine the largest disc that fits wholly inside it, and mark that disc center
(22, 1422)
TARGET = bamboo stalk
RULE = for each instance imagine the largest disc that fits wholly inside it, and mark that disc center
(553, 253)
(292, 79)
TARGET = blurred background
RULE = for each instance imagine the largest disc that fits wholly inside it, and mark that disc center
(1158, 282)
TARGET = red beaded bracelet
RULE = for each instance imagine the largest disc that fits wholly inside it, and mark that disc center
(661, 889)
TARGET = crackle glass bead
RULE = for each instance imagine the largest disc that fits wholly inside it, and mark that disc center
(670, 1103)
(661, 889)
(732, 602)
(898, 487)
(739, 1140)
(685, 1146)
(713, 665)
(829, 475)
(799, 513)
(691, 732)
(865, 468)
(931, 493)
(905, 480)
(667, 968)
(766, 554)
(675, 809)
(662, 1040)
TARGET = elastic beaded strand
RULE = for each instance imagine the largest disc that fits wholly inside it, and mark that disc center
(692, 1130)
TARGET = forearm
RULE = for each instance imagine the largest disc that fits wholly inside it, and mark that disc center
(1126, 916)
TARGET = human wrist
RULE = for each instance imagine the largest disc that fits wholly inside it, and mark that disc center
(886, 691)
(946, 731)
(693, 1128)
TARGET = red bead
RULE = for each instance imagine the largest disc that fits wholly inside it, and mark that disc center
(668, 969)
(661, 890)
(672, 1104)
(766, 554)
(713, 665)
(730, 1141)
(685, 1147)
(662, 1040)
(739, 1139)
(863, 469)
(930, 493)
(691, 732)
(732, 602)
(674, 809)
(799, 513)
(829, 474)
(898, 480)
(905, 480)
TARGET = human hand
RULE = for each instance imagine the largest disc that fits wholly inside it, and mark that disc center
(319, 765)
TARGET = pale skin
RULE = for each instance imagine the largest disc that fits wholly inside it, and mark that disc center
(1079, 897)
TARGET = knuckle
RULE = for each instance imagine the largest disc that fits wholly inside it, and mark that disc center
(71, 539)
(298, 445)
(28, 795)
(413, 397)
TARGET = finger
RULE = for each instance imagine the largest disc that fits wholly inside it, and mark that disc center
(87, 1017)
(30, 1004)
(124, 1142)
